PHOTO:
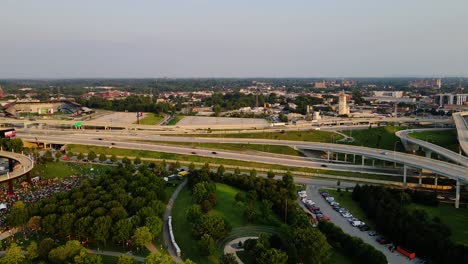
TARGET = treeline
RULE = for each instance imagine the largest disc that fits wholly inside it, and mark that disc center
(302, 242)
(9, 144)
(124, 206)
(265, 250)
(351, 246)
(412, 229)
(131, 104)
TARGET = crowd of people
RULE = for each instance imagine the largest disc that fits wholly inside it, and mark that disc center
(32, 192)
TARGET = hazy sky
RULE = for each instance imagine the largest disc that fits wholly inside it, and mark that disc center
(232, 38)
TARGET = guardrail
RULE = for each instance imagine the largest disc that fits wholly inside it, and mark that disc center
(173, 242)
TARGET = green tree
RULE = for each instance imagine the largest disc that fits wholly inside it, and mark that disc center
(137, 160)
(206, 245)
(237, 171)
(158, 258)
(113, 158)
(92, 155)
(155, 225)
(253, 173)
(80, 156)
(18, 214)
(194, 213)
(191, 167)
(221, 170)
(34, 223)
(311, 245)
(122, 230)
(102, 157)
(142, 236)
(65, 253)
(228, 259)
(126, 161)
(32, 251)
(125, 259)
(58, 154)
(13, 255)
(270, 174)
(272, 255)
(45, 246)
(101, 228)
(70, 154)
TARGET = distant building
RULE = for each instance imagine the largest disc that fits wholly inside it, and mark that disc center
(343, 109)
(321, 85)
(18, 108)
(396, 94)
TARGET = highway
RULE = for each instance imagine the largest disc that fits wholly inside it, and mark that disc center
(461, 124)
(455, 157)
(26, 165)
(440, 167)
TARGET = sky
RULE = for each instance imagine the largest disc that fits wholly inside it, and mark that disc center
(235, 38)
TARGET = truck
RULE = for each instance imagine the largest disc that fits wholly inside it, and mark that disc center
(7, 133)
(406, 252)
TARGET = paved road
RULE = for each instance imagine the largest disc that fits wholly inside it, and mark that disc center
(26, 165)
(453, 156)
(337, 219)
(167, 213)
(462, 129)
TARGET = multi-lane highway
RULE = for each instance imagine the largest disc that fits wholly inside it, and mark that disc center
(461, 122)
(429, 147)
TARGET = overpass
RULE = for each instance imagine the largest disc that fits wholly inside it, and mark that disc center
(26, 165)
(461, 123)
(456, 172)
(69, 124)
(428, 147)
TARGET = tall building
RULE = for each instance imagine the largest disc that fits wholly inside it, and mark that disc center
(343, 109)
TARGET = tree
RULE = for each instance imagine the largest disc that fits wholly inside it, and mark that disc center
(80, 156)
(122, 230)
(125, 259)
(70, 154)
(206, 245)
(34, 223)
(126, 161)
(113, 158)
(101, 228)
(311, 245)
(142, 236)
(137, 160)
(272, 255)
(191, 167)
(45, 246)
(48, 156)
(13, 255)
(92, 155)
(18, 214)
(270, 174)
(214, 225)
(253, 173)
(65, 253)
(158, 258)
(228, 259)
(155, 225)
(237, 171)
(194, 213)
(32, 251)
(102, 157)
(58, 154)
(221, 170)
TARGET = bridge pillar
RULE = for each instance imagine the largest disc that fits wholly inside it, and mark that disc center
(10, 165)
(420, 180)
(373, 163)
(457, 194)
(10, 187)
(404, 175)
(337, 155)
(346, 157)
(363, 160)
(435, 180)
(428, 154)
(328, 155)
(354, 158)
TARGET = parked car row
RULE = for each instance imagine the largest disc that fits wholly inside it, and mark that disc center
(344, 212)
(310, 205)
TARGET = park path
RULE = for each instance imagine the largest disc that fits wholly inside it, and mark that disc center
(114, 254)
(233, 246)
(167, 213)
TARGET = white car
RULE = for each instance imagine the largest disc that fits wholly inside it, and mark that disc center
(347, 215)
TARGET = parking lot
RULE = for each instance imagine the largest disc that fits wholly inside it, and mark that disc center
(338, 219)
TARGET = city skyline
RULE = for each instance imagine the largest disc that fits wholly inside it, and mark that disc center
(211, 39)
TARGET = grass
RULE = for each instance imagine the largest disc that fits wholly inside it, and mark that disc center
(456, 219)
(313, 136)
(240, 163)
(444, 138)
(377, 137)
(226, 205)
(284, 150)
(338, 258)
(65, 169)
(151, 119)
(109, 259)
(175, 120)
(346, 201)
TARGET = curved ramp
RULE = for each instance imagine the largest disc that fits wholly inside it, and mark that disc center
(461, 122)
(26, 165)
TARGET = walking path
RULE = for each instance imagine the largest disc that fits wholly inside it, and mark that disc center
(114, 254)
(233, 246)
(167, 213)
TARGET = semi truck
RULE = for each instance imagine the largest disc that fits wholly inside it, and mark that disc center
(7, 133)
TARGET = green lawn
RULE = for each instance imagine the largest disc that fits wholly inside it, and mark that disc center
(226, 205)
(456, 219)
(175, 120)
(65, 169)
(313, 136)
(150, 119)
(194, 158)
(285, 150)
(377, 137)
(345, 200)
(446, 138)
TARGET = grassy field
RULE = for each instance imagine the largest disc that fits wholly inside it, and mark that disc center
(456, 219)
(377, 137)
(285, 150)
(194, 158)
(226, 205)
(313, 136)
(445, 138)
(65, 169)
(345, 200)
(175, 120)
(151, 119)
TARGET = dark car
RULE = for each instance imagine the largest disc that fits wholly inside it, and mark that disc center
(193, 152)
(112, 143)
(214, 152)
(381, 241)
(364, 228)
(99, 138)
(323, 165)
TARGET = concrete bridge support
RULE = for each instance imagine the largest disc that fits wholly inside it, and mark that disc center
(428, 153)
(363, 161)
(457, 194)
(405, 171)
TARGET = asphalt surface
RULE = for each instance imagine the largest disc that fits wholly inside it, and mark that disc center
(337, 219)
(26, 165)
(461, 123)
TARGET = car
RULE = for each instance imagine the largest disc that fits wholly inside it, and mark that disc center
(99, 138)
(440, 197)
(384, 153)
(364, 227)
(381, 241)
(347, 215)
(214, 152)
(372, 233)
(193, 152)
(323, 166)
(112, 143)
